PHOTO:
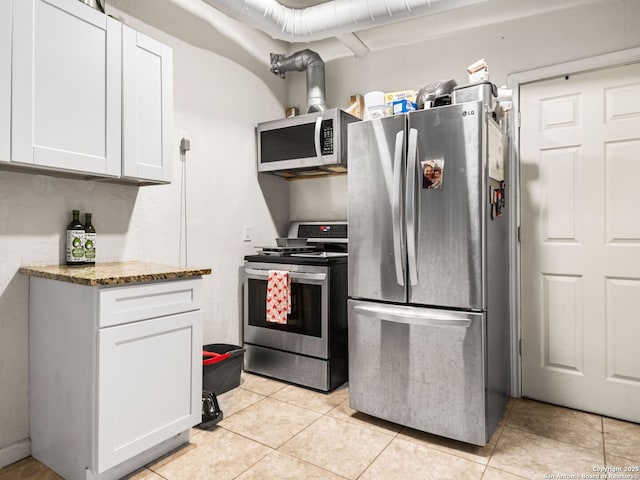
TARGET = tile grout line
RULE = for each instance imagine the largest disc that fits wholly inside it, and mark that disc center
(257, 461)
(156, 473)
(378, 455)
(311, 464)
(500, 469)
(521, 429)
(499, 431)
(326, 414)
(244, 408)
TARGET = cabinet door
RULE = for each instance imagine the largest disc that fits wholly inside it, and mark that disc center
(5, 80)
(66, 111)
(149, 384)
(147, 90)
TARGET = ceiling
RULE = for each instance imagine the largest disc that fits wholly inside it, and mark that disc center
(198, 23)
(425, 27)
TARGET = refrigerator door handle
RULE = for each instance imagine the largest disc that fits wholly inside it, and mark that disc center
(396, 213)
(411, 205)
(414, 317)
(317, 137)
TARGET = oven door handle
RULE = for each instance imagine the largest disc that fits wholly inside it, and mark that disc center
(293, 275)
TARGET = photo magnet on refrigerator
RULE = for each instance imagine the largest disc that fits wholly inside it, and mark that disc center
(432, 173)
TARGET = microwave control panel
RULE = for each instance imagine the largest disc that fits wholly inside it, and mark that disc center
(327, 137)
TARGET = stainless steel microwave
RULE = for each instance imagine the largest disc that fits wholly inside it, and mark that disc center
(305, 145)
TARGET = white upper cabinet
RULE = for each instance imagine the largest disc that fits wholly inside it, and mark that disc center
(5, 80)
(66, 111)
(147, 89)
(83, 94)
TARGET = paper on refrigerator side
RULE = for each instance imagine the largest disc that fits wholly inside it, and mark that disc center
(478, 71)
(496, 153)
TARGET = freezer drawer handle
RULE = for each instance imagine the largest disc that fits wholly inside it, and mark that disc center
(293, 275)
(396, 208)
(414, 318)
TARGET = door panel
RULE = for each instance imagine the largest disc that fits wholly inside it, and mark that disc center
(66, 110)
(149, 384)
(376, 160)
(422, 368)
(580, 233)
(449, 231)
(147, 88)
(307, 326)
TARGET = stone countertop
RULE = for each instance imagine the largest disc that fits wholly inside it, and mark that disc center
(115, 273)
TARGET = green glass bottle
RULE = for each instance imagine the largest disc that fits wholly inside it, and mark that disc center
(75, 240)
(89, 240)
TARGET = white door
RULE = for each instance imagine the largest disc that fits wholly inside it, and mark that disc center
(5, 80)
(149, 384)
(580, 234)
(66, 110)
(147, 123)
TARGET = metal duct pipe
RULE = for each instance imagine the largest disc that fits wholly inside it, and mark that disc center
(330, 18)
(299, 62)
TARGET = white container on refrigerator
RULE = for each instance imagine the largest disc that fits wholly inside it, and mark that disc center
(428, 310)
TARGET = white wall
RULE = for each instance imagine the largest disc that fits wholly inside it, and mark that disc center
(218, 103)
(508, 47)
(323, 198)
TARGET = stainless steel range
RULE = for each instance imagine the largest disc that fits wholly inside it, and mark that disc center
(311, 348)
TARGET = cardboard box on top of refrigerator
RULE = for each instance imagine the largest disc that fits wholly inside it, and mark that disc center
(402, 106)
(391, 97)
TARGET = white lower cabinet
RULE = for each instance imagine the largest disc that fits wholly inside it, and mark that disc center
(115, 374)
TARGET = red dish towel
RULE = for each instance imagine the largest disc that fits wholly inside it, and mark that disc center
(278, 296)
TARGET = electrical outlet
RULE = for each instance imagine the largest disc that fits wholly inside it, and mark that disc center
(246, 233)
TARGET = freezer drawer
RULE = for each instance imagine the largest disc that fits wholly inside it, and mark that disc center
(418, 367)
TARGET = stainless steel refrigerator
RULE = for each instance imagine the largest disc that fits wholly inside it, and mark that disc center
(428, 271)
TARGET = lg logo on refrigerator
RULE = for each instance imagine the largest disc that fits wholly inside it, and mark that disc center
(468, 112)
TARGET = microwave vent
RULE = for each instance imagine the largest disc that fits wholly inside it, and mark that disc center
(309, 61)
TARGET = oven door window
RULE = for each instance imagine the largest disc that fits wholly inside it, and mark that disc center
(306, 308)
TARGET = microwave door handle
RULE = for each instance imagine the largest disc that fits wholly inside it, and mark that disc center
(317, 137)
(396, 207)
(412, 155)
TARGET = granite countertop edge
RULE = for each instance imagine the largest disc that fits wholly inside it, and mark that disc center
(113, 273)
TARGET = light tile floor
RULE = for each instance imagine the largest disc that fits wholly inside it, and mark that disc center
(272, 430)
